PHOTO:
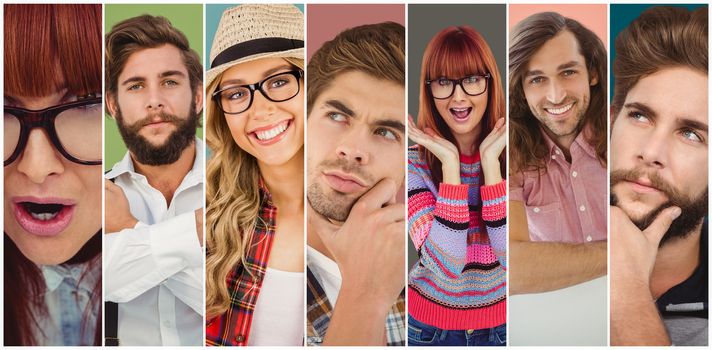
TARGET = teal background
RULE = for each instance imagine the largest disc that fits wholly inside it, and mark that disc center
(621, 16)
(188, 18)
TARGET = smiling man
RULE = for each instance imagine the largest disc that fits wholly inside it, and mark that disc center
(355, 165)
(558, 154)
(154, 196)
(659, 158)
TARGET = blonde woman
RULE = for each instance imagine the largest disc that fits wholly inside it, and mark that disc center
(255, 206)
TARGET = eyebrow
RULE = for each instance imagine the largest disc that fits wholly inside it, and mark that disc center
(341, 107)
(562, 66)
(265, 74)
(685, 122)
(168, 73)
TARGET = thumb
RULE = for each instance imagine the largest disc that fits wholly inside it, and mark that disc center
(657, 229)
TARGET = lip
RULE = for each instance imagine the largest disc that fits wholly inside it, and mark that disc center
(44, 228)
(642, 186)
(460, 119)
(342, 182)
(252, 134)
(563, 115)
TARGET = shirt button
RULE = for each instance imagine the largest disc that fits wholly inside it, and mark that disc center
(588, 238)
(239, 338)
(558, 152)
(470, 331)
(553, 157)
(536, 209)
(574, 174)
(582, 208)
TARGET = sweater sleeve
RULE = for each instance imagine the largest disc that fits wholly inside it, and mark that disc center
(438, 222)
(494, 214)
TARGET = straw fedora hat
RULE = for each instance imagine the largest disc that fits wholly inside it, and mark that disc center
(253, 31)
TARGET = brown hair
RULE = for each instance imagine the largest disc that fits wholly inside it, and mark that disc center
(375, 49)
(527, 145)
(456, 52)
(142, 32)
(48, 48)
(661, 37)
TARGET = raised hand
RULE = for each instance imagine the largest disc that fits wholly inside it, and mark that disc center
(490, 150)
(443, 149)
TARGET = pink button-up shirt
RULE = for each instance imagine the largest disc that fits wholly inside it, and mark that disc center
(568, 203)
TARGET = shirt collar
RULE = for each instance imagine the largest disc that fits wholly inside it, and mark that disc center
(580, 140)
(55, 274)
(125, 165)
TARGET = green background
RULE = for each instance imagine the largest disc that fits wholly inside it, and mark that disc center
(188, 18)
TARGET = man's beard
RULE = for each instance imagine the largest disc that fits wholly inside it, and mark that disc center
(580, 106)
(168, 153)
(335, 206)
(693, 209)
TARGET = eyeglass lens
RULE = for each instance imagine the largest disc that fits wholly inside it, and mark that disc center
(78, 130)
(278, 88)
(472, 85)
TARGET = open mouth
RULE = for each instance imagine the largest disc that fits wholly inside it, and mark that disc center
(43, 219)
(461, 114)
(271, 134)
(560, 110)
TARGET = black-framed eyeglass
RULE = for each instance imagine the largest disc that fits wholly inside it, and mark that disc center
(280, 87)
(74, 129)
(473, 85)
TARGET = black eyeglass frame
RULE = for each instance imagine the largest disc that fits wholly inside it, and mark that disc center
(457, 82)
(297, 73)
(45, 119)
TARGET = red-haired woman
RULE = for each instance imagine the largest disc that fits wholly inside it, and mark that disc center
(457, 196)
(53, 176)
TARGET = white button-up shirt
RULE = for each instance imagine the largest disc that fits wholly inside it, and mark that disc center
(155, 270)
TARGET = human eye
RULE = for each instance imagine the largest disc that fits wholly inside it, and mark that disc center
(135, 87)
(387, 134)
(569, 72)
(444, 82)
(692, 135)
(638, 117)
(536, 80)
(234, 94)
(474, 79)
(337, 117)
(170, 82)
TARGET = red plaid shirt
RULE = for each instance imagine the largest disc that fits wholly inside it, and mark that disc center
(233, 327)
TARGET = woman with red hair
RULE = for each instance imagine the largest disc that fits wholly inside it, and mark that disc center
(457, 196)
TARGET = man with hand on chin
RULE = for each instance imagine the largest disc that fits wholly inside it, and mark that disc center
(355, 165)
(659, 159)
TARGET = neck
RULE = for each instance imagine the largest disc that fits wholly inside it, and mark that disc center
(564, 142)
(286, 182)
(467, 143)
(166, 178)
(675, 262)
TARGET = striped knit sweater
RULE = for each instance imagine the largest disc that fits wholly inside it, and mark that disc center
(459, 281)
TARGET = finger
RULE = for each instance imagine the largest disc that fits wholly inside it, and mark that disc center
(377, 196)
(391, 213)
(499, 123)
(657, 229)
(320, 224)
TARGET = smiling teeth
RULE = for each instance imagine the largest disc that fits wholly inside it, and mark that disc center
(561, 110)
(271, 133)
(44, 216)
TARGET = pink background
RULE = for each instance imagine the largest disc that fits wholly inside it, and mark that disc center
(324, 21)
(592, 16)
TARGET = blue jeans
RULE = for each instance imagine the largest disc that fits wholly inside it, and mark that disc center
(421, 334)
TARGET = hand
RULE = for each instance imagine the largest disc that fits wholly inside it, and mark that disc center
(199, 225)
(633, 251)
(490, 150)
(443, 149)
(118, 215)
(369, 247)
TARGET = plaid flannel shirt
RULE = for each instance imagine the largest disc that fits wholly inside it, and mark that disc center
(319, 313)
(233, 327)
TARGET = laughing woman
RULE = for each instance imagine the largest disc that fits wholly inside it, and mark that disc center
(53, 179)
(255, 191)
(457, 196)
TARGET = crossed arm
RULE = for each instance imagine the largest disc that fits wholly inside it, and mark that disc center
(546, 266)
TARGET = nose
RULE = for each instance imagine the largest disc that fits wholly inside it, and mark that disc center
(39, 159)
(155, 100)
(353, 148)
(653, 150)
(556, 92)
(261, 106)
(459, 93)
